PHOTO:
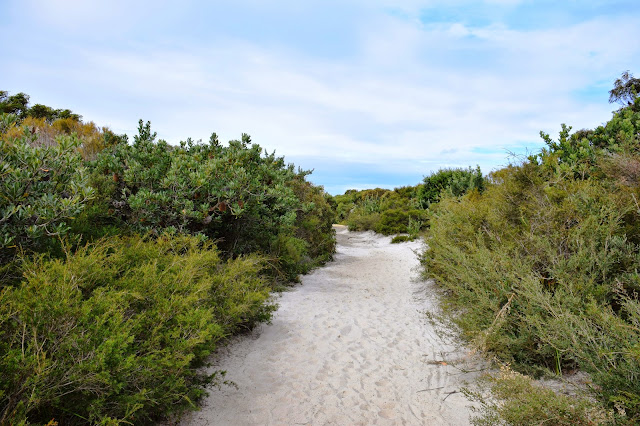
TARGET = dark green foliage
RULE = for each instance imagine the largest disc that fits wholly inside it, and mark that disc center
(454, 182)
(42, 189)
(541, 268)
(382, 210)
(314, 224)
(392, 221)
(625, 89)
(246, 201)
(401, 239)
(50, 114)
(18, 105)
(114, 333)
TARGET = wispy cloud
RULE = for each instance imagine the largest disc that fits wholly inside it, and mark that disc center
(366, 93)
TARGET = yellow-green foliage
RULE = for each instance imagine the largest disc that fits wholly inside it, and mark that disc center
(542, 268)
(402, 239)
(115, 332)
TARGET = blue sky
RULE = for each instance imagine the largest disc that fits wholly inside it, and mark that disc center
(373, 93)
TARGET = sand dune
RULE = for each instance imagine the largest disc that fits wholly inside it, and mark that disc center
(349, 346)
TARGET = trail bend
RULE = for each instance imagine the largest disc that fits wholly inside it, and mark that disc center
(350, 345)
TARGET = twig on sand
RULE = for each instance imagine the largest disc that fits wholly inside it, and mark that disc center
(436, 362)
(465, 371)
(449, 394)
(425, 390)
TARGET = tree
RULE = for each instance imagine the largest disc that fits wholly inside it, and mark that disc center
(42, 111)
(625, 89)
(16, 104)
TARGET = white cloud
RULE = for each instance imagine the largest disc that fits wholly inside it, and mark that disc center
(411, 98)
(304, 107)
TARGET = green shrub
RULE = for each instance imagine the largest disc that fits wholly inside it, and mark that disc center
(455, 182)
(237, 195)
(113, 331)
(42, 189)
(291, 255)
(394, 221)
(314, 221)
(18, 105)
(382, 210)
(541, 268)
(363, 222)
(116, 331)
(515, 400)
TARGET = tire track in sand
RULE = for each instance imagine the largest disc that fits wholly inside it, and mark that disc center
(349, 346)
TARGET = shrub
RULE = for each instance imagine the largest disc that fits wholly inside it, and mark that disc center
(116, 331)
(232, 194)
(393, 221)
(514, 399)
(314, 220)
(363, 222)
(455, 182)
(541, 268)
(381, 210)
(92, 139)
(43, 188)
(18, 105)
(291, 255)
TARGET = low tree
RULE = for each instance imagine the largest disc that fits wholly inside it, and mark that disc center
(17, 104)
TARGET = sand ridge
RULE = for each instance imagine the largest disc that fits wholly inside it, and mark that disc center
(349, 346)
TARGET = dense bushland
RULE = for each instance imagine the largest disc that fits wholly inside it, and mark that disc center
(236, 194)
(247, 200)
(404, 210)
(123, 265)
(384, 211)
(541, 269)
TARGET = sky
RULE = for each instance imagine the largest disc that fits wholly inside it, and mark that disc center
(367, 93)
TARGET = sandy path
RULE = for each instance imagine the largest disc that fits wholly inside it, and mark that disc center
(349, 346)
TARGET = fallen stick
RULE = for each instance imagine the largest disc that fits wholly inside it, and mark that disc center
(425, 390)
(449, 394)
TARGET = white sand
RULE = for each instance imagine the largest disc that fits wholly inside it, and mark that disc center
(349, 346)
